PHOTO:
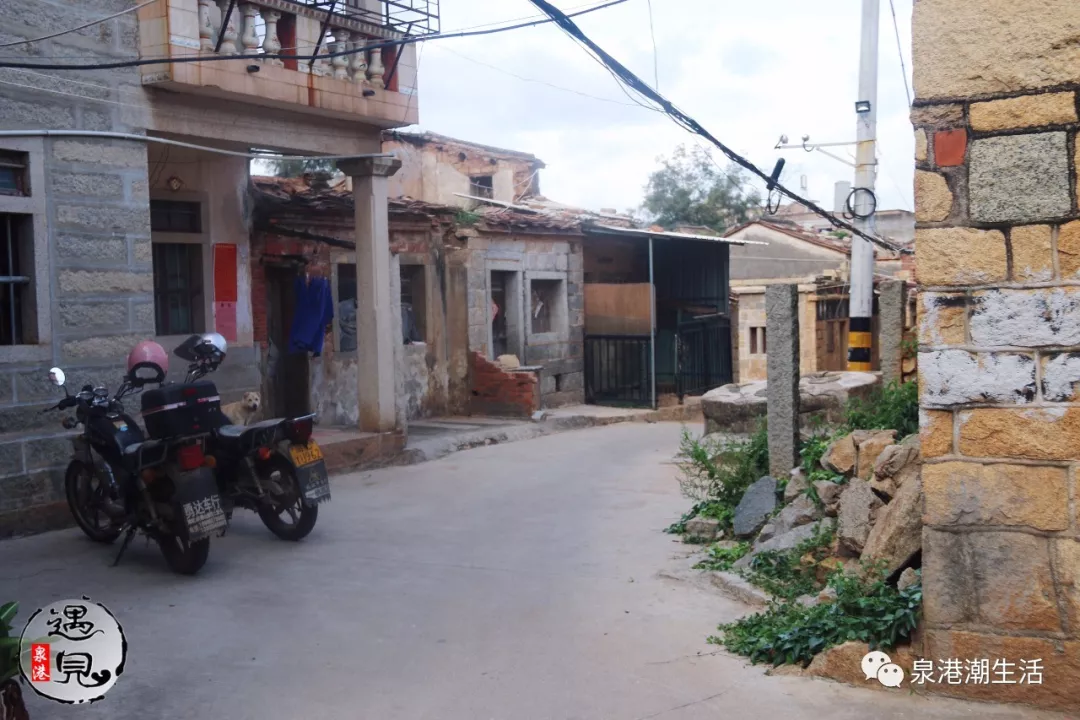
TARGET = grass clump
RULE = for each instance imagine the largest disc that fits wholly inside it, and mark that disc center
(721, 558)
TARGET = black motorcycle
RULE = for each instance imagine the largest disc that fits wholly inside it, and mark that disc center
(273, 467)
(119, 482)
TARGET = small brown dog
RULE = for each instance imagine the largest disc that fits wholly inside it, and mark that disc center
(243, 412)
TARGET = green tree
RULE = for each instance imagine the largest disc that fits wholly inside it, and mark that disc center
(296, 168)
(689, 188)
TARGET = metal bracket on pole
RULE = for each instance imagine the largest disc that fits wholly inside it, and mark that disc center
(224, 24)
(322, 33)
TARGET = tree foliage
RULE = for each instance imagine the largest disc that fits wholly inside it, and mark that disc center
(296, 168)
(689, 188)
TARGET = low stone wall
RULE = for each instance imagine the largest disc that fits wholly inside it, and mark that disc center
(502, 393)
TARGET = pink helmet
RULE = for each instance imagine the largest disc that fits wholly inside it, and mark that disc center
(147, 362)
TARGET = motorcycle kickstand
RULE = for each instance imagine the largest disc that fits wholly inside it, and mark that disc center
(124, 545)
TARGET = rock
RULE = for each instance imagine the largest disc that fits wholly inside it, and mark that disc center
(856, 506)
(870, 449)
(539, 416)
(897, 535)
(796, 486)
(827, 567)
(829, 493)
(840, 457)
(844, 663)
(768, 532)
(800, 512)
(703, 528)
(757, 504)
(738, 408)
(808, 600)
(739, 588)
(509, 362)
(895, 458)
(884, 487)
(907, 578)
(827, 595)
(787, 541)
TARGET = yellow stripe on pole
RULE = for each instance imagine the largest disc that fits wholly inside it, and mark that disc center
(860, 340)
(859, 367)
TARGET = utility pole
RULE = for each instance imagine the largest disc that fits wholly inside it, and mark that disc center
(864, 201)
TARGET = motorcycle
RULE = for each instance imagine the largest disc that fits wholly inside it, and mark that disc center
(119, 482)
(273, 467)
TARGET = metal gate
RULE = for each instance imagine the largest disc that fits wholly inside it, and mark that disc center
(618, 370)
(703, 351)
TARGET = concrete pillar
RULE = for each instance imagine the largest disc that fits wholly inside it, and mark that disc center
(375, 337)
(782, 362)
(891, 301)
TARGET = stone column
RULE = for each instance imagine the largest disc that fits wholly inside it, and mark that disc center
(892, 297)
(782, 333)
(375, 336)
(998, 260)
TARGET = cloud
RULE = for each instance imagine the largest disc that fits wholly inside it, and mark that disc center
(747, 71)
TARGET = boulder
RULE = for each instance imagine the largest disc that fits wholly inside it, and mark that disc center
(907, 578)
(829, 493)
(787, 541)
(801, 511)
(897, 535)
(841, 455)
(796, 486)
(869, 451)
(857, 506)
(738, 408)
(755, 507)
(895, 458)
(768, 532)
(509, 362)
(844, 663)
(703, 528)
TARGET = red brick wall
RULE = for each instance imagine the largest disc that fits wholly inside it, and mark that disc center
(501, 393)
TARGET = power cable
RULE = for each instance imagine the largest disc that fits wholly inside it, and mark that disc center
(900, 51)
(80, 27)
(278, 56)
(690, 124)
(655, 58)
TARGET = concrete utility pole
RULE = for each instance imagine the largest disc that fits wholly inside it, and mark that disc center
(861, 306)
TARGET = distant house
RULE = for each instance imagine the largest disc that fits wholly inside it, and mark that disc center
(818, 262)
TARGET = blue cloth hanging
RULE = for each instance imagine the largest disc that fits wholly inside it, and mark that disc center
(314, 310)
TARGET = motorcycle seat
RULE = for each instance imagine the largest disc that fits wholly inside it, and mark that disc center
(247, 436)
(144, 453)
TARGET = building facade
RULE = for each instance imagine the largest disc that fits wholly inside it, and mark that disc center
(112, 240)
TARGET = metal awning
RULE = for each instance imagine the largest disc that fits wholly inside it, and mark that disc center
(615, 230)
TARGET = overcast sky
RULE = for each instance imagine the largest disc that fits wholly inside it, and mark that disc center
(748, 71)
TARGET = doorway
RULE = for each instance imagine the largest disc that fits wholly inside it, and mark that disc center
(287, 388)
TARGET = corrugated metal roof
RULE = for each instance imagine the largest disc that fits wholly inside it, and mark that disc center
(672, 235)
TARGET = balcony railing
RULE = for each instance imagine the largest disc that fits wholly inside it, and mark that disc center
(333, 83)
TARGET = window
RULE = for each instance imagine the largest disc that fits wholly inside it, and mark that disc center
(757, 341)
(413, 304)
(544, 308)
(18, 323)
(13, 173)
(482, 186)
(346, 308)
(178, 288)
(175, 216)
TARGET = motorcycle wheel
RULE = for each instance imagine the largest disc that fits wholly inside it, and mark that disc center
(288, 517)
(85, 491)
(183, 557)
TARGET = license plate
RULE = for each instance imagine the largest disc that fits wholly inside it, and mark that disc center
(306, 454)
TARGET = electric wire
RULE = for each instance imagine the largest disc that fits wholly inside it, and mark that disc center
(655, 58)
(80, 27)
(900, 51)
(690, 124)
(279, 56)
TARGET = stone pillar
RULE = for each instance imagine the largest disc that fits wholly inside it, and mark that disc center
(375, 336)
(997, 261)
(892, 297)
(782, 333)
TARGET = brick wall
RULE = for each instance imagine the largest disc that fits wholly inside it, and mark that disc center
(998, 244)
(501, 393)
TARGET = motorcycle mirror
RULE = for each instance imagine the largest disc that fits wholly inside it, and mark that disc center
(57, 376)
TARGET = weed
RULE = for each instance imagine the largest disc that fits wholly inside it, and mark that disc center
(893, 407)
(865, 610)
(466, 218)
(784, 573)
(722, 558)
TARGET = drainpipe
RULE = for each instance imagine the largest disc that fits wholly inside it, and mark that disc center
(652, 324)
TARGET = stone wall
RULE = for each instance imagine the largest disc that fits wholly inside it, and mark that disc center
(88, 214)
(542, 257)
(998, 243)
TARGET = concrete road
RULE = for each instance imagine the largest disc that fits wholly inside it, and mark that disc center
(519, 582)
